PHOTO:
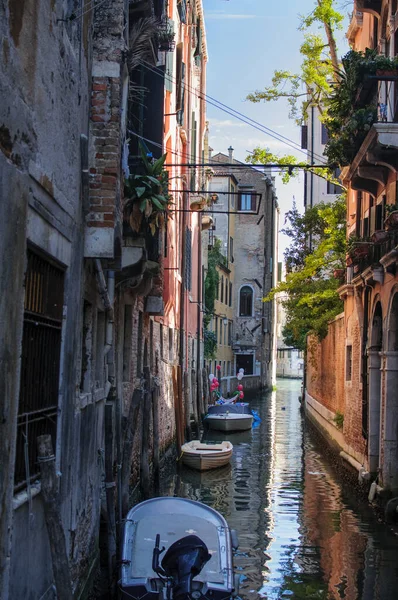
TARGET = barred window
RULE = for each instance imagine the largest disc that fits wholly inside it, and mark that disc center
(40, 362)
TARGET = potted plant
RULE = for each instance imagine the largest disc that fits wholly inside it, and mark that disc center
(147, 199)
(166, 41)
(391, 220)
(338, 273)
(358, 247)
(380, 236)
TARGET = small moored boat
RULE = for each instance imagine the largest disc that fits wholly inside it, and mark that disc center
(202, 457)
(177, 549)
(229, 417)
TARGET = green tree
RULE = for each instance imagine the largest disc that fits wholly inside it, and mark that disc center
(310, 291)
(312, 85)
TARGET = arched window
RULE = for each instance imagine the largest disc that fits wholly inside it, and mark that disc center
(245, 301)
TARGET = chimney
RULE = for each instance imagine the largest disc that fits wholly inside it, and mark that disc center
(231, 154)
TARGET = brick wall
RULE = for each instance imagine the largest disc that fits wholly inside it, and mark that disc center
(326, 377)
(325, 367)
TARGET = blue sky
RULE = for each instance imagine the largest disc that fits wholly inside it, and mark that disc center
(247, 40)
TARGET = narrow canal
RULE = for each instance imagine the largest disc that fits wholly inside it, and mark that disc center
(302, 534)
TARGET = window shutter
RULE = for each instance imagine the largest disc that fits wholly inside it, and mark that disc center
(188, 259)
(304, 137)
(253, 202)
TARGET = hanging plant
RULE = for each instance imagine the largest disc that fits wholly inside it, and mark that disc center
(147, 198)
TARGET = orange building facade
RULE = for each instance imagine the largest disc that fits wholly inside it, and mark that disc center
(352, 378)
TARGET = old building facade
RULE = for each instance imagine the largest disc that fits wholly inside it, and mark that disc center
(246, 222)
(355, 400)
(100, 333)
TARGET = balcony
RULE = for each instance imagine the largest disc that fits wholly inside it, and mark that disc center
(363, 124)
(380, 258)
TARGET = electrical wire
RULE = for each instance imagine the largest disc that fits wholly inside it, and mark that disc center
(234, 113)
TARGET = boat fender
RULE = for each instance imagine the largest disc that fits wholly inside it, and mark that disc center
(235, 591)
(256, 415)
(372, 491)
(234, 539)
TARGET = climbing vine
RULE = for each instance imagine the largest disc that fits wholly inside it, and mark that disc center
(215, 258)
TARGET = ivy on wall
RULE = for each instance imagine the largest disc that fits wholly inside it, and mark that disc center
(215, 258)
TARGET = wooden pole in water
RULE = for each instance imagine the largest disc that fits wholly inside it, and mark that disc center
(177, 412)
(194, 399)
(128, 445)
(187, 407)
(146, 422)
(56, 535)
(205, 378)
(201, 409)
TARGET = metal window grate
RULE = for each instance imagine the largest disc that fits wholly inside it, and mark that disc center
(41, 346)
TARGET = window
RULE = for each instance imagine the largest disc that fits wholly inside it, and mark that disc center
(231, 249)
(225, 334)
(220, 331)
(245, 361)
(229, 333)
(228, 368)
(246, 201)
(230, 294)
(226, 291)
(40, 360)
(333, 188)
(324, 134)
(246, 301)
(348, 363)
(222, 289)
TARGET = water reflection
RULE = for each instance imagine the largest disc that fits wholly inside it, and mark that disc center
(302, 535)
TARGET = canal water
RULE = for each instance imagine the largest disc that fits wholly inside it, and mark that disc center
(302, 533)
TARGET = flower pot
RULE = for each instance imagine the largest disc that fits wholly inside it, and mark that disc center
(360, 250)
(207, 222)
(391, 221)
(380, 236)
(338, 273)
(197, 203)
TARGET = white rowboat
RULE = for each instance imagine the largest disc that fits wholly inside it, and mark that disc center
(203, 457)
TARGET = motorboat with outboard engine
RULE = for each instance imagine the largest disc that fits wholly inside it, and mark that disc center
(177, 549)
(229, 417)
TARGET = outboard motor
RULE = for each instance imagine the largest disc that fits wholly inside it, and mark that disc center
(183, 561)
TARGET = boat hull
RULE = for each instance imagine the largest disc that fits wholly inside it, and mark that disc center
(204, 457)
(172, 519)
(230, 422)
